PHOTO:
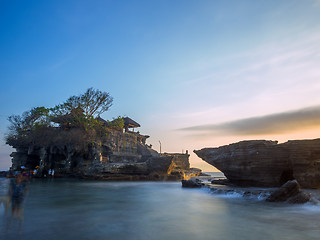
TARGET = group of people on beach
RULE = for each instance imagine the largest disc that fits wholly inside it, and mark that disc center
(44, 173)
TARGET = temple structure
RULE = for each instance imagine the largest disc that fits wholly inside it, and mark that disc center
(118, 154)
(129, 123)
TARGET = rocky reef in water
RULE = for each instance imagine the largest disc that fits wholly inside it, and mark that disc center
(267, 163)
(290, 192)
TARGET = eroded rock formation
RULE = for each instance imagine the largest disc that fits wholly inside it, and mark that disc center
(267, 163)
(120, 156)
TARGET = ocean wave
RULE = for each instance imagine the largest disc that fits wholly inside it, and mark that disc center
(254, 194)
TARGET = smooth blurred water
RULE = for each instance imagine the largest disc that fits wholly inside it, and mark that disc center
(74, 209)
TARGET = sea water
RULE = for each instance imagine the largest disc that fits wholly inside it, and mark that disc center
(77, 209)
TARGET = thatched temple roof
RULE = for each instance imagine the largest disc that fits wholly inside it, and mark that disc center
(129, 123)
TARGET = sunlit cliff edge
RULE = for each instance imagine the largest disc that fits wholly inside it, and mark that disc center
(267, 163)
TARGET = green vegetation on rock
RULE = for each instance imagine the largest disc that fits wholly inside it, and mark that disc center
(75, 121)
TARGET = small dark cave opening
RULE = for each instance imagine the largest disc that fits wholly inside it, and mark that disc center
(286, 176)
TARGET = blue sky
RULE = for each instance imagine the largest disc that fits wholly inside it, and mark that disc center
(170, 65)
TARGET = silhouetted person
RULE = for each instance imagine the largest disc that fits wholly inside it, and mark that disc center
(17, 193)
(4, 194)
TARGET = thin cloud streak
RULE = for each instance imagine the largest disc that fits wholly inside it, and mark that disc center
(60, 63)
(282, 56)
(278, 123)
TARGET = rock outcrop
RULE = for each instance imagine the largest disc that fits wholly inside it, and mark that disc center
(267, 163)
(191, 183)
(289, 192)
(120, 156)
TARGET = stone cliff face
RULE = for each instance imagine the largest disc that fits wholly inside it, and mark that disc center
(180, 166)
(267, 163)
(120, 156)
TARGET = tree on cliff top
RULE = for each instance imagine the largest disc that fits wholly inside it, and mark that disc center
(36, 117)
(82, 111)
(76, 112)
(93, 103)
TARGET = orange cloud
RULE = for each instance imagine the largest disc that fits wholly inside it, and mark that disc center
(279, 123)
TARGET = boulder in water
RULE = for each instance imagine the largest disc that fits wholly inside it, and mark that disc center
(300, 198)
(191, 183)
(290, 192)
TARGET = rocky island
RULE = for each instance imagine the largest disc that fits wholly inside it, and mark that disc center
(72, 140)
(264, 163)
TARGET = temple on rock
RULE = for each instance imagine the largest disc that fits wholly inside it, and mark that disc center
(113, 151)
(129, 123)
